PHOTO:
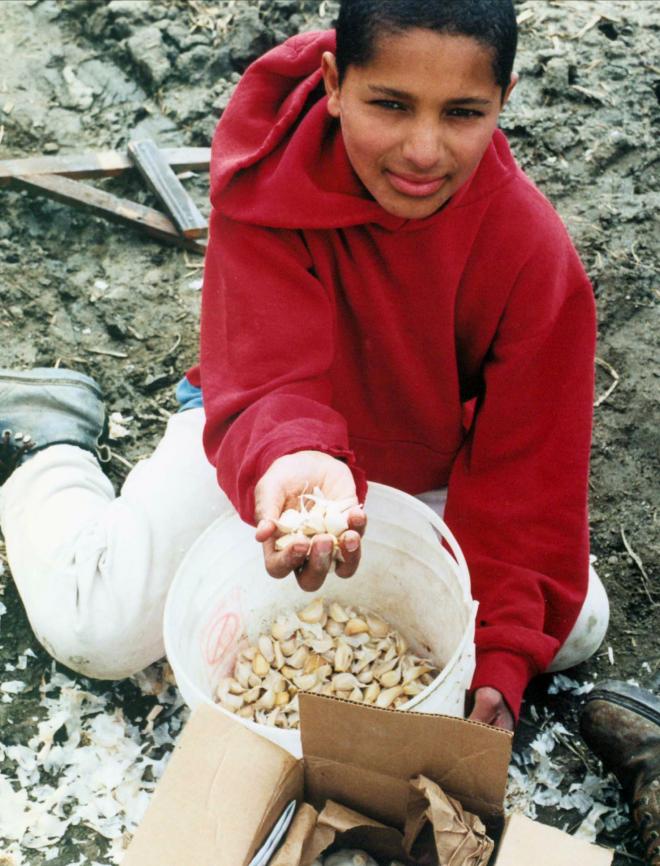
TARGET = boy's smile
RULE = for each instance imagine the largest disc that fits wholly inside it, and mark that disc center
(417, 118)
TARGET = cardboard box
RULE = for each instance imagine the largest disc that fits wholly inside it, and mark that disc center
(225, 786)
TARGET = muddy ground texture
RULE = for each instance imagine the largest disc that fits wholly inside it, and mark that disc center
(83, 293)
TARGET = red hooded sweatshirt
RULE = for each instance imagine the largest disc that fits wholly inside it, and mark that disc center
(329, 324)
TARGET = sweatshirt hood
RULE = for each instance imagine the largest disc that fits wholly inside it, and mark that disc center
(278, 157)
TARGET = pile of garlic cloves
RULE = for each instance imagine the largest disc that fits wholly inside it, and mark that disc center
(328, 649)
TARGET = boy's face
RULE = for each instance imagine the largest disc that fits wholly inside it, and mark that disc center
(417, 119)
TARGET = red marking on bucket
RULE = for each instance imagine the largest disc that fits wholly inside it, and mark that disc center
(220, 637)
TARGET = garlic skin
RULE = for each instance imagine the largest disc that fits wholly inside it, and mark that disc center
(329, 649)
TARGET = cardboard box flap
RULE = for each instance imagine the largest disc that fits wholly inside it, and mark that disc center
(471, 765)
(525, 841)
(220, 794)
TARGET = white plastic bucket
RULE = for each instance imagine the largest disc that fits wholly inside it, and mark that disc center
(222, 591)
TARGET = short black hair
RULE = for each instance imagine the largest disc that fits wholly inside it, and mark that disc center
(490, 22)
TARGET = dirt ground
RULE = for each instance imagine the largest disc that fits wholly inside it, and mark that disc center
(80, 292)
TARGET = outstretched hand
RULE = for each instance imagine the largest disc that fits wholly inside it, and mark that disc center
(279, 488)
(491, 708)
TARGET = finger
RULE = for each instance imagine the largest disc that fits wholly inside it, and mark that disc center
(483, 710)
(265, 528)
(357, 519)
(314, 571)
(349, 544)
(269, 501)
(505, 719)
(279, 563)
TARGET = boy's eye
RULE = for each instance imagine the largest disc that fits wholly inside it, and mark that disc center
(389, 104)
(464, 112)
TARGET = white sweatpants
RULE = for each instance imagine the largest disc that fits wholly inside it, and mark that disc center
(93, 569)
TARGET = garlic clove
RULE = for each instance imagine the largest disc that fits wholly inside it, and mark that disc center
(391, 653)
(388, 696)
(356, 695)
(356, 640)
(337, 612)
(289, 672)
(304, 682)
(260, 666)
(335, 521)
(313, 524)
(355, 626)
(284, 627)
(371, 693)
(246, 712)
(285, 540)
(232, 702)
(383, 667)
(320, 646)
(312, 663)
(278, 655)
(242, 672)
(412, 688)
(363, 658)
(265, 645)
(391, 678)
(251, 695)
(298, 659)
(313, 612)
(377, 626)
(288, 647)
(235, 687)
(343, 657)
(290, 520)
(345, 682)
(334, 628)
(266, 701)
(414, 673)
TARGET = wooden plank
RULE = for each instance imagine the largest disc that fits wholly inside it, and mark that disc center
(111, 207)
(101, 164)
(160, 178)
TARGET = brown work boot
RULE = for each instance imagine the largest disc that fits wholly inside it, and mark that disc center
(621, 724)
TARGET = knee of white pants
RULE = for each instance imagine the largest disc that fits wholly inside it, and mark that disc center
(589, 630)
(109, 651)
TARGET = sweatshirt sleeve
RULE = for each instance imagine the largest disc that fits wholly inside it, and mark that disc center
(517, 497)
(267, 344)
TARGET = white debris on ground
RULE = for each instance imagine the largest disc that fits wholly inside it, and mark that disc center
(536, 778)
(86, 765)
(117, 429)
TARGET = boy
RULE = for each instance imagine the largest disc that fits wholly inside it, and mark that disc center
(386, 296)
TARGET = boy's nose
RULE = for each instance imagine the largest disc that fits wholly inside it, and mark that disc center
(423, 148)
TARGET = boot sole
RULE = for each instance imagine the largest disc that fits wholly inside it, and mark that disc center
(628, 696)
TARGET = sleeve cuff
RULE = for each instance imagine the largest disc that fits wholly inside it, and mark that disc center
(508, 672)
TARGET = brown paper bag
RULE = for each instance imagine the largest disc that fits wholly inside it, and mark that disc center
(439, 831)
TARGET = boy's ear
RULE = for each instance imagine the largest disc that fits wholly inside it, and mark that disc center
(509, 90)
(331, 82)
